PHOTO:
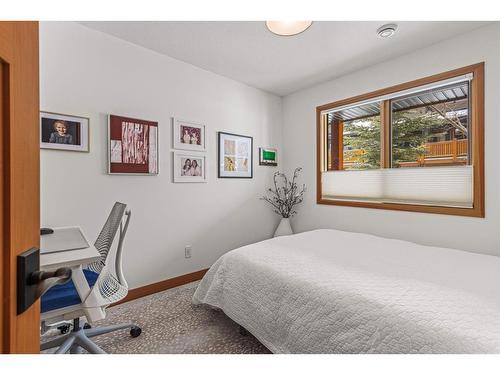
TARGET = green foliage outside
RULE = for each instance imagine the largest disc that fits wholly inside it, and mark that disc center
(410, 131)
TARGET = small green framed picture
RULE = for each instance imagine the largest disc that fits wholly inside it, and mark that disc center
(268, 156)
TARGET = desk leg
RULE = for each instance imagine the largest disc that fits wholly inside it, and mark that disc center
(81, 284)
(83, 289)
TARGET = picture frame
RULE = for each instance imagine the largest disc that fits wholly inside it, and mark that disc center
(184, 169)
(268, 156)
(133, 146)
(59, 131)
(188, 135)
(234, 155)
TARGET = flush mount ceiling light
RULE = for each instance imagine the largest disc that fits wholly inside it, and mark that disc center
(287, 28)
(386, 31)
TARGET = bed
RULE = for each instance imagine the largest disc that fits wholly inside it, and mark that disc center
(329, 291)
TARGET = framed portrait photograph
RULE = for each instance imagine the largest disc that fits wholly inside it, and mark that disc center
(189, 167)
(235, 156)
(64, 132)
(132, 146)
(188, 135)
(268, 156)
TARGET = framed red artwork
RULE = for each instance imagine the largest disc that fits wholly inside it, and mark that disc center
(132, 146)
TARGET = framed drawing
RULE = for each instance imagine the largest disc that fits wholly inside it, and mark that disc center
(188, 135)
(235, 156)
(189, 167)
(64, 132)
(132, 146)
(268, 156)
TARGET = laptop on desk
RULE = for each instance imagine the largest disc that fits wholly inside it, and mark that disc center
(63, 239)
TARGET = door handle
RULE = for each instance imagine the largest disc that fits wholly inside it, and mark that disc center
(45, 280)
(33, 283)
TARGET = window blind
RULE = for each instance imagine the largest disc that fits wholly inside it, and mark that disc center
(440, 186)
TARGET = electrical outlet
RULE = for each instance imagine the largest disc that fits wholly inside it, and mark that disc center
(187, 251)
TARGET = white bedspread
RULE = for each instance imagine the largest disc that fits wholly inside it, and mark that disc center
(329, 291)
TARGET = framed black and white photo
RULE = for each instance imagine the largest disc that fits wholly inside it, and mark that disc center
(188, 135)
(235, 156)
(64, 132)
(189, 167)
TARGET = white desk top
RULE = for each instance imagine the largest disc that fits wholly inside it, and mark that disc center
(66, 247)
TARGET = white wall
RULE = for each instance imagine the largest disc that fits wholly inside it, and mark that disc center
(299, 132)
(87, 73)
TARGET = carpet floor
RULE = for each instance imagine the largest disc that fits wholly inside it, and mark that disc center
(172, 325)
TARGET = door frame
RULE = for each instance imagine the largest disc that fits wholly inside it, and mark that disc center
(19, 177)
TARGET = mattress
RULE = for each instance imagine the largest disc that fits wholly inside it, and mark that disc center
(329, 291)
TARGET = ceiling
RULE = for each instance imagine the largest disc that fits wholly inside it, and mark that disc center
(249, 53)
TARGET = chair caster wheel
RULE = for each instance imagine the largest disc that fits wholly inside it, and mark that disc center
(64, 328)
(135, 331)
(87, 326)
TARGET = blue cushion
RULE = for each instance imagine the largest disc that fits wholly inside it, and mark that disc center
(65, 295)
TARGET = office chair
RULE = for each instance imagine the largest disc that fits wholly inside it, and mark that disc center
(62, 302)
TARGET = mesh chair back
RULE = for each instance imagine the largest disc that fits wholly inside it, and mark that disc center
(105, 239)
(111, 285)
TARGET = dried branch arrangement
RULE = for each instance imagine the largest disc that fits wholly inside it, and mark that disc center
(285, 195)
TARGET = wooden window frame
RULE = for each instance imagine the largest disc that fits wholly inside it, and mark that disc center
(476, 116)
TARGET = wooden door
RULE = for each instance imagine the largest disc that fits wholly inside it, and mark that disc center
(20, 177)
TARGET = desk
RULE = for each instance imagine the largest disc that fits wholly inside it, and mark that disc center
(73, 258)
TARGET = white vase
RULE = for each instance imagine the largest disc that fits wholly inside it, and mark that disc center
(284, 228)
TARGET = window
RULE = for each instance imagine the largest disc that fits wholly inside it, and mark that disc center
(417, 146)
(354, 138)
(431, 127)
